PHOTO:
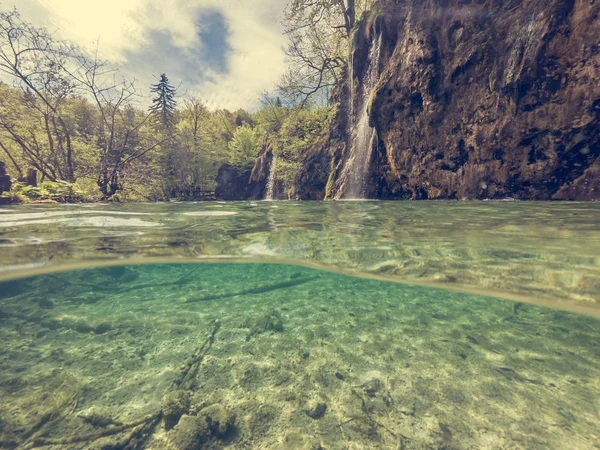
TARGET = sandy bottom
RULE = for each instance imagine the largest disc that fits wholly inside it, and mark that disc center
(262, 356)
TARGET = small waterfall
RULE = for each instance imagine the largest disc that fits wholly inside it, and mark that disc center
(271, 180)
(362, 137)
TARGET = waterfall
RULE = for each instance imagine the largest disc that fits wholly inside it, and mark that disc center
(271, 180)
(362, 137)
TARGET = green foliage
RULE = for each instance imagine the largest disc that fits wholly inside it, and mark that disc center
(184, 166)
(298, 134)
(60, 191)
(270, 117)
(243, 148)
(81, 131)
(201, 149)
(163, 104)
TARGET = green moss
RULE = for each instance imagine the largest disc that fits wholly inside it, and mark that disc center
(270, 322)
(330, 181)
(381, 83)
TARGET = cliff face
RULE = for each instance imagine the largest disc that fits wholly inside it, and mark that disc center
(475, 99)
(234, 183)
(237, 184)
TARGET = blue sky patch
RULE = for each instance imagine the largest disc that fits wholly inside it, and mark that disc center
(214, 35)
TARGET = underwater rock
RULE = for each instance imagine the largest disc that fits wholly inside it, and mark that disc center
(52, 324)
(446, 433)
(271, 321)
(219, 419)
(45, 303)
(298, 441)
(174, 405)
(102, 327)
(259, 422)
(315, 410)
(373, 386)
(189, 434)
(472, 340)
(75, 324)
(79, 325)
(99, 420)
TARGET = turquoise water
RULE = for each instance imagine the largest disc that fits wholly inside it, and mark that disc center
(394, 365)
(547, 253)
(221, 338)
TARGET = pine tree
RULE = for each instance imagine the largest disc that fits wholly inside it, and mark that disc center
(163, 105)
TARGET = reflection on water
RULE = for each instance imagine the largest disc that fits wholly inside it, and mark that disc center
(285, 357)
(545, 252)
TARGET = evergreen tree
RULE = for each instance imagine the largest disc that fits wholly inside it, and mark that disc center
(164, 104)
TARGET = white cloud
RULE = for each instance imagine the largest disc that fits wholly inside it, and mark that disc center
(83, 22)
(255, 62)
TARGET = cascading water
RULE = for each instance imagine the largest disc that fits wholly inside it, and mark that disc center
(269, 195)
(362, 137)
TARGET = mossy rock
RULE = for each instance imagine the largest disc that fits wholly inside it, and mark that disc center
(189, 434)
(315, 410)
(219, 419)
(260, 421)
(296, 440)
(272, 321)
(174, 405)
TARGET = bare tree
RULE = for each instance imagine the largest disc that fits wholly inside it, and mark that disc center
(113, 96)
(34, 60)
(319, 33)
(195, 112)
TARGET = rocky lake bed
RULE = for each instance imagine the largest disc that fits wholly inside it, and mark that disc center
(277, 356)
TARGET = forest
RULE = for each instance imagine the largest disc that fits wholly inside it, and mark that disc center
(72, 128)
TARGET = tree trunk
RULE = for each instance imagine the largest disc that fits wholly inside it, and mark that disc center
(17, 167)
(349, 16)
(31, 179)
(108, 183)
(70, 173)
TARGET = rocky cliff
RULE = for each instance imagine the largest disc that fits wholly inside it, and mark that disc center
(235, 183)
(470, 99)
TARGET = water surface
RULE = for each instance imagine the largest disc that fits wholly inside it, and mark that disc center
(546, 253)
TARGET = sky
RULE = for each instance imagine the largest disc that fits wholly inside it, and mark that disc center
(228, 52)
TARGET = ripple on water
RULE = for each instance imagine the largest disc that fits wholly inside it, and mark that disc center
(92, 221)
(210, 213)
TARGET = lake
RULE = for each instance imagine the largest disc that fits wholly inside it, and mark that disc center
(335, 325)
